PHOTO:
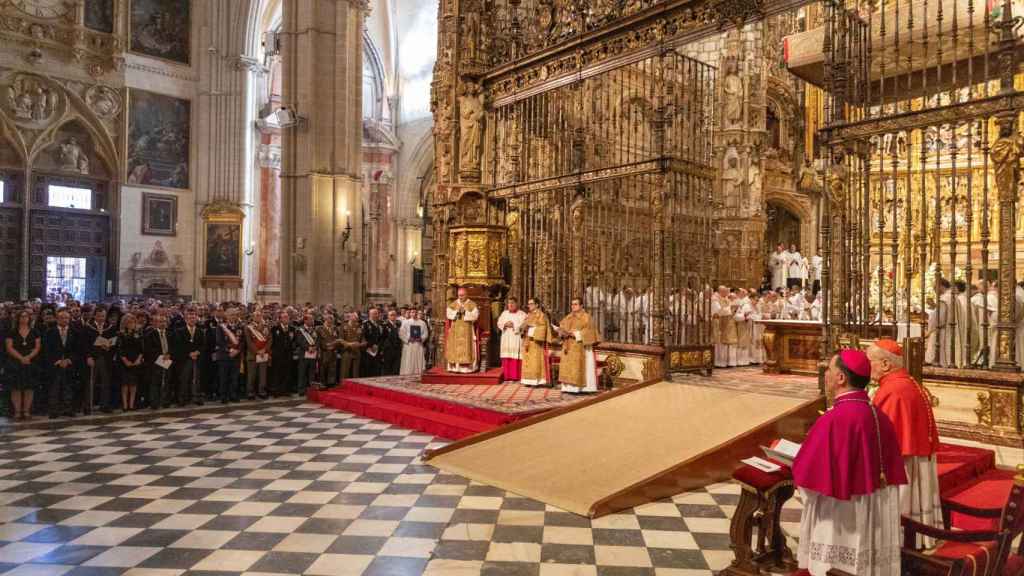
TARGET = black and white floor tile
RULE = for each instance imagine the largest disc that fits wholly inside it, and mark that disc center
(311, 491)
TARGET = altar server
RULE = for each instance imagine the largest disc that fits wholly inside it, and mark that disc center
(509, 324)
(908, 406)
(960, 324)
(578, 365)
(848, 472)
(413, 334)
(796, 267)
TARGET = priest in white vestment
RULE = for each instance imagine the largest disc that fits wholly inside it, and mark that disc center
(814, 264)
(848, 472)
(757, 330)
(793, 307)
(777, 266)
(937, 350)
(796, 267)
(461, 347)
(413, 333)
(744, 327)
(509, 324)
(721, 313)
(960, 324)
(985, 310)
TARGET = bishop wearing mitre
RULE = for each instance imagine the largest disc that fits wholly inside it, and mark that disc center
(577, 370)
(460, 349)
(509, 324)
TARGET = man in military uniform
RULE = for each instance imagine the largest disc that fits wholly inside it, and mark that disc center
(352, 344)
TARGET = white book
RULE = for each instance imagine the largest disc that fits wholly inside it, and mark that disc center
(784, 451)
(164, 362)
(762, 464)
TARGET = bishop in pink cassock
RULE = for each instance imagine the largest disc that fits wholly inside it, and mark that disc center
(848, 471)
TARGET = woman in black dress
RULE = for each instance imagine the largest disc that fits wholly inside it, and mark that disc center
(129, 354)
(22, 346)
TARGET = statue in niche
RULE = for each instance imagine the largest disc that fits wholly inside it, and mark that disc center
(72, 158)
(471, 127)
(730, 177)
(30, 100)
(754, 186)
(545, 19)
(103, 101)
(732, 95)
(470, 34)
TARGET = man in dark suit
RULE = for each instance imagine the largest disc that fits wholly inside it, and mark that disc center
(61, 350)
(282, 341)
(98, 349)
(373, 335)
(391, 346)
(156, 350)
(228, 355)
(189, 343)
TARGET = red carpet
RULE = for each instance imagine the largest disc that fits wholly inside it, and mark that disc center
(439, 376)
(447, 410)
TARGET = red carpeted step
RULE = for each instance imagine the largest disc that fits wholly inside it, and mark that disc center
(407, 416)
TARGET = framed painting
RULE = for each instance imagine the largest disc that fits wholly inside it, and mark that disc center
(222, 239)
(159, 215)
(161, 29)
(159, 133)
(99, 15)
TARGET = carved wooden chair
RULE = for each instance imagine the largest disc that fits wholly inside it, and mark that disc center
(971, 552)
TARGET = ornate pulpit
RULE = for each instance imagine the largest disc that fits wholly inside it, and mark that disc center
(475, 263)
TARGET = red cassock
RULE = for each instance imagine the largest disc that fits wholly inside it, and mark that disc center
(907, 405)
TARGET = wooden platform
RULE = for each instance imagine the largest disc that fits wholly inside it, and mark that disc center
(628, 447)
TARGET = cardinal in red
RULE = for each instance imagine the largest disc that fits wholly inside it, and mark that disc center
(908, 406)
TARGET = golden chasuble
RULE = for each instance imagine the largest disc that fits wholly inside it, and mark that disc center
(459, 346)
(572, 366)
(534, 343)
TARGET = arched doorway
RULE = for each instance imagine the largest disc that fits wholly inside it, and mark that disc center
(783, 226)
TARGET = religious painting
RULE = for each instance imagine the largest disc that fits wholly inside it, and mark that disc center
(223, 249)
(159, 129)
(162, 29)
(99, 15)
(159, 215)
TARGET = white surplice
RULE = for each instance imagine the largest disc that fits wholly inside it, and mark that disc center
(777, 264)
(860, 536)
(919, 497)
(511, 339)
(985, 309)
(413, 357)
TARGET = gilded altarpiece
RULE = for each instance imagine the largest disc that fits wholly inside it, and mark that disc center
(582, 130)
(921, 187)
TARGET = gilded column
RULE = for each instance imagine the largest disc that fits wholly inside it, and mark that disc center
(1006, 154)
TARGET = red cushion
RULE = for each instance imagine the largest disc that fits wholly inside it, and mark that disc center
(759, 479)
(990, 490)
(979, 555)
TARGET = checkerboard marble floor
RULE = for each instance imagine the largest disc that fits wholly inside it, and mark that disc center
(308, 490)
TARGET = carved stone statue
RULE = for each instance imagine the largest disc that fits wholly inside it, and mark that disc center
(72, 158)
(104, 101)
(730, 178)
(754, 182)
(732, 95)
(29, 99)
(471, 127)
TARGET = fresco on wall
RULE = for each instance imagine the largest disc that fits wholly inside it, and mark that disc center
(99, 15)
(161, 28)
(158, 140)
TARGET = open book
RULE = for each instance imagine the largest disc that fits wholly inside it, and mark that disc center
(784, 451)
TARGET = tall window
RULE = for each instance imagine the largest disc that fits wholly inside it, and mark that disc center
(69, 197)
(3, 191)
(373, 83)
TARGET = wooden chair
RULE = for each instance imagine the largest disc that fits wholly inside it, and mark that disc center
(971, 552)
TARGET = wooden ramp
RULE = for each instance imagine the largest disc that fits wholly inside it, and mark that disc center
(629, 447)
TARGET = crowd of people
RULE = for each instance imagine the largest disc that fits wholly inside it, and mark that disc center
(130, 355)
(735, 332)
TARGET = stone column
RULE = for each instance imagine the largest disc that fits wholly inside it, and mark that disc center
(322, 56)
